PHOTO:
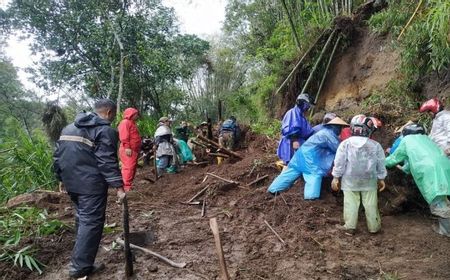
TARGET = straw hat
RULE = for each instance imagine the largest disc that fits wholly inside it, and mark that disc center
(337, 121)
(400, 129)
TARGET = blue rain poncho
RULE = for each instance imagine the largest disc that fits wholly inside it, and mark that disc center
(427, 163)
(395, 144)
(313, 160)
(293, 127)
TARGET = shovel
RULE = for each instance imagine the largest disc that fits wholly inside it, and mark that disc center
(126, 237)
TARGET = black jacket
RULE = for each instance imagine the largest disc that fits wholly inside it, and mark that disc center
(85, 158)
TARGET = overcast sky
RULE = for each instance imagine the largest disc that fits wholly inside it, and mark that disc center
(200, 17)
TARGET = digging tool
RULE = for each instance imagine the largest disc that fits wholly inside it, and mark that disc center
(126, 237)
(223, 265)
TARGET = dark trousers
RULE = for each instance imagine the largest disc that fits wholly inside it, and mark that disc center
(89, 221)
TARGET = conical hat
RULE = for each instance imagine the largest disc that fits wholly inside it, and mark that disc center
(337, 121)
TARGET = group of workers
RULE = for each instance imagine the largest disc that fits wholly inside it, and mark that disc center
(86, 163)
(358, 164)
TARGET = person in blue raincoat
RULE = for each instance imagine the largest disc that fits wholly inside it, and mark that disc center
(295, 129)
(312, 161)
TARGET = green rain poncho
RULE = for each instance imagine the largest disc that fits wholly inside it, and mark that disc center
(426, 162)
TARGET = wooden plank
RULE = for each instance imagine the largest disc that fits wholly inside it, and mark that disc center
(223, 266)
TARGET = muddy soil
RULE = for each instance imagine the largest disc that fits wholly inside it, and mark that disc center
(406, 248)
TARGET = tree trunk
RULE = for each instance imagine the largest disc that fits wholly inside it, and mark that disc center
(111, 83)
(297, 41)
(119, 95)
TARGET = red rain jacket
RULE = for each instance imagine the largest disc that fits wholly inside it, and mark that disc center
(128, 131)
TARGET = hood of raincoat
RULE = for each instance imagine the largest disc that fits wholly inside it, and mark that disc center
(129, 113)
(358, 141)
(89, 120)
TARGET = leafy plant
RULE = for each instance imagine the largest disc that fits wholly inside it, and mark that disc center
(25, 163)
(24, 222)
(21, 258)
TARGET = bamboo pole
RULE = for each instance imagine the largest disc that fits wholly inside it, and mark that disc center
(294, 31)
(410, 19)
(325, 73)
(298, 63)
(311, 74)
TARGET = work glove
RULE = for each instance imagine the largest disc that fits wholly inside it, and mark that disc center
(120, 195)
(128, 152)
(335, 184)
(381, 185)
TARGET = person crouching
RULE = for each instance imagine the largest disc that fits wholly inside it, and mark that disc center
(359, 168)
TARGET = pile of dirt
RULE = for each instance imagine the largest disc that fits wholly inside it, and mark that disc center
(314, 249)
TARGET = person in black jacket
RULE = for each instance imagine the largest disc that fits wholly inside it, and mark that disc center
(86, 163)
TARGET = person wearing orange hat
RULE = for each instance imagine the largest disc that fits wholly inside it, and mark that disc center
(130, 146)
(440, 129)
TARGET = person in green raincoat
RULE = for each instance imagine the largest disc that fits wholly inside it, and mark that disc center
(430, 168)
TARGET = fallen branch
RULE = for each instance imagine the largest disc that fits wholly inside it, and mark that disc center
(223, 179)
(149, 252)
(257, 180)
(198, 194)
(228, 152)
(197, 163)
(276, 234)
(220, 149)
(211, 142)
(218, 155)
(199, 144)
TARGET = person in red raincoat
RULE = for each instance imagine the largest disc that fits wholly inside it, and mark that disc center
(130, 145)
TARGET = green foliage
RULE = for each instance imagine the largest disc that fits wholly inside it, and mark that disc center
(83, 39)
(25, 222)
(424, 46)
(25, 162)
(147, 125)
(21, 258)
(438, 26)
(270, 128)
(393, 18)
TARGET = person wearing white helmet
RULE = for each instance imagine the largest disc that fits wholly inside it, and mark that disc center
(295, 129)
(165, 152)
(358, 169)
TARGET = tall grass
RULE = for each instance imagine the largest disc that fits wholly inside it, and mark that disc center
(425, 46)
(25, 163)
